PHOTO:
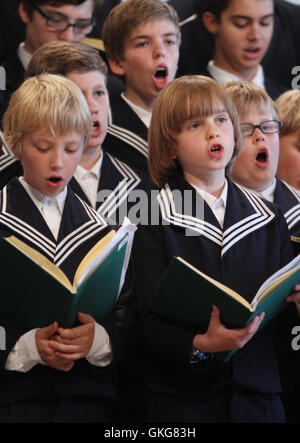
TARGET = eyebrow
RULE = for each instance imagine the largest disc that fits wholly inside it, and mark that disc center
(65, 17)
(246, 17)
(167, 34)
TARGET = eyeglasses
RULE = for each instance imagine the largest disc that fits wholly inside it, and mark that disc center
(61, 24)
(267, 127)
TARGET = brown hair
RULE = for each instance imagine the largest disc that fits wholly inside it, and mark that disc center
(246, 96)
(28, 6)
(184, 99)
(288, 105)
(126, 16)
(63, 57)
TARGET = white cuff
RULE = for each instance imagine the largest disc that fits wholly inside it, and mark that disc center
(101, 352)
(24, 355)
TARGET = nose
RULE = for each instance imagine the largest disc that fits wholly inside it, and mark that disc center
(92, 104)
(67, 35)
(212, 130)
(159, 49)
(56, 161)
(254, 31)
(258, 135)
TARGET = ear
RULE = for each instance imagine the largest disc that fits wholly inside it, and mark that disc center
(17, 152)
(210, 22)
(117, 67)
(23, 13)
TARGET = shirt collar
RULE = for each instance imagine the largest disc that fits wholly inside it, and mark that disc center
(222, 76)
(143, 114)
(39, 199)
(267, 193)
(81, 173)
(213, 201)
(24, 56)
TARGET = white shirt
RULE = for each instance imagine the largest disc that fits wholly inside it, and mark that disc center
(24, 56)
(267, 193)
(89, 180)
(24, 354)
(216, 204)
(222, 76)
(144, 115)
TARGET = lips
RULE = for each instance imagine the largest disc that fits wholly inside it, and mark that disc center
(54, 181)
(262, 158)
(160, 76)
(96, 129)
(252, 53)
(216, 151)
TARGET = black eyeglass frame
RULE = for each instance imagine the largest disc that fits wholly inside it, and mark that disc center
(48, 17)
(279, 126)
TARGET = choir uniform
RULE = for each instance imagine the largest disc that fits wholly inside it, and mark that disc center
(117, 180)
(288, 199)
(252, 245)
(10, 166)
(127, 135)
(44, 394)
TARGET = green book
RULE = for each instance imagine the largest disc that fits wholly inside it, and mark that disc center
(186, 296)
(34, 292)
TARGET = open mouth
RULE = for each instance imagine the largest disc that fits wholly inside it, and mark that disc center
(262, 157)
(96, 129)
(160, 76)
(252, 52)
(54, 181)
(216, 151)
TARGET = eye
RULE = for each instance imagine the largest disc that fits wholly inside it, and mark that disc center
(194, 125)
(42, 148)
(141, 44)
(171, 41)
(240, 22)
(100, 92)
(266, 21)
(222, 119)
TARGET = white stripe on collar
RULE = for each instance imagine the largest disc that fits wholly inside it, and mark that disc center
(262, 216)
(122, 190)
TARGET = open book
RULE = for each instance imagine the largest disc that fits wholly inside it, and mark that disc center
(35, 292)
(186, 296)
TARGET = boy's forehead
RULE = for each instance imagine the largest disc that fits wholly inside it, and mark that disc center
(160, 25)
(83, 10)
(250, 8)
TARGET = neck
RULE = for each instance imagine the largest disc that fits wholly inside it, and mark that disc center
(90, 157)
(142, 102)
(245, 74)
(212, 184)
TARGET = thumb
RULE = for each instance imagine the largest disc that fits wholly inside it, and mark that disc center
(215, 315)
(49, 331)
(85, 318)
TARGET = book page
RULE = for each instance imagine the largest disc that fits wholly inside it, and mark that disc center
(103, 248)
(41, 260)
(274, 280)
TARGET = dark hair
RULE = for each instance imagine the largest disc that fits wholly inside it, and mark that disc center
(216, 7)
(28, 6)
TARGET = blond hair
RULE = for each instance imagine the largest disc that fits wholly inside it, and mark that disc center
(184, 99)
(48, 102)
(62, 57)
(246, 96)
(288, 105)
(126, 16)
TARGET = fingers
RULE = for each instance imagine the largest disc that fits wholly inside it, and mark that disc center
(48, 331)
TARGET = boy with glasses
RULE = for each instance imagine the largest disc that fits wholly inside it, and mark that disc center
(46, 20)
(256, 167)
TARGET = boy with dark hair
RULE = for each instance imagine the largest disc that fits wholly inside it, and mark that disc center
(242, 31)
(46, 20)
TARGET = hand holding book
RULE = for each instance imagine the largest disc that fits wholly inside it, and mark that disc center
(218, 338)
